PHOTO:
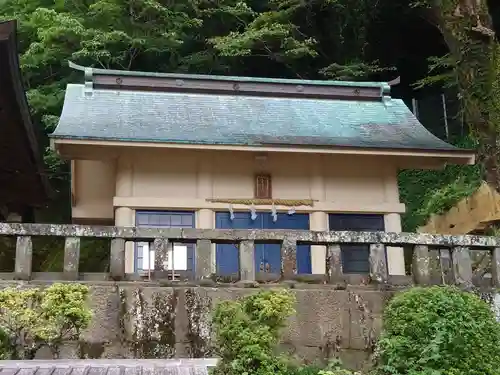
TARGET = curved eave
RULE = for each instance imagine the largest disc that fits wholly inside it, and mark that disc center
(70, 147)
(8, 36)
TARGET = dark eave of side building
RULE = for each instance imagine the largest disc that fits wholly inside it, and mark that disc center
(23, 182)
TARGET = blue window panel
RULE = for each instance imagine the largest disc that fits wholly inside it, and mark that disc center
(355, 256)
(272, 252)
(227, 257)
(165, 219)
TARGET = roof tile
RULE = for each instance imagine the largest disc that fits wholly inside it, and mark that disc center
(193, 118)
(108, 367)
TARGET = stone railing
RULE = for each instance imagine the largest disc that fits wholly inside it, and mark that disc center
(422, 246)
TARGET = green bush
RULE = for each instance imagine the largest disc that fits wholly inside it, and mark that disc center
(32, 318)
(438, 331)
(247, 333)
(5, 348)
(335, 368)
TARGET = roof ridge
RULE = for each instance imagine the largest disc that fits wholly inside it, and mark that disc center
(236, 85)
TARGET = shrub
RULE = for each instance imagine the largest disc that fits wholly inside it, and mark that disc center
(335, 368)
(33, 318)
(438, 331)
(5, 349)
(247, 333)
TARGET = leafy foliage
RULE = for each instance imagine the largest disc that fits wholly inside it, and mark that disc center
(247, 333)
(33, 318)
(438, 331)
(5, 348)
(473, 67)
(335, 368)
(434, 192)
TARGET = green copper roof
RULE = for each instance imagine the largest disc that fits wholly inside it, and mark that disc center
(109, 72)
(205, 118)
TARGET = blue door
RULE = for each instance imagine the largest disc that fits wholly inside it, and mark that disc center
(267, 256)
(163, 219)
(227, 256)
(355, 256)
(272, 252)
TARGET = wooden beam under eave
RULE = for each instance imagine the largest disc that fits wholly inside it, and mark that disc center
(73, 184)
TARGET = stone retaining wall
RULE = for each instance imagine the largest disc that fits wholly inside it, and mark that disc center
(140, 320)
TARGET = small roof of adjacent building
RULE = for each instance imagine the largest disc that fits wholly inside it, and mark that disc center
(108, 367)
(22, 178)
(240, 111)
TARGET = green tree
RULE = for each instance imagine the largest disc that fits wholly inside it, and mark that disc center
(473, 67)
(329, 35)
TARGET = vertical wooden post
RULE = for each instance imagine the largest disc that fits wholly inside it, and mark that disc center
(203, 259)
(288, 258)
(378, 263)
(462, 266)
(334, 272)
(247, 260)
(71, 258)
(495, 267)
(24, 256)
(117, 259)
(420, 265)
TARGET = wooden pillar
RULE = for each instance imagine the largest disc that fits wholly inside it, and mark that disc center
(124, 216)
(318, 220)
(205, 216)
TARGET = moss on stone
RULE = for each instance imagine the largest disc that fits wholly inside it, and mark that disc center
(199, 324)
(153, 325)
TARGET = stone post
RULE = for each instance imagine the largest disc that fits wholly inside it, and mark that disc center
(247, 260)
(203, 259)
(495, 267)
(420, 267)
(117, 259)
(24, 255)
(445, 266)
(334, 272)
(71, 258)
(462, 267)
(378, 264)
(288, 257)
(161, 247)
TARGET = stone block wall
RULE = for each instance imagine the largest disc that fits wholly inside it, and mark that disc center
(141, 320)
